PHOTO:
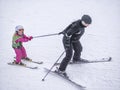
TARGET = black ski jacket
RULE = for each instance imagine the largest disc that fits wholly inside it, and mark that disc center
(74, 31)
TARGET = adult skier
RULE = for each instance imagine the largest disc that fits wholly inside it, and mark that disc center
(72, 35)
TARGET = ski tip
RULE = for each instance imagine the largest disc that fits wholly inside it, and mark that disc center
(110, 58)
(83, 87)
(10, 63)
(31, 67)
(35, 68)
(38, 62)
(41, 62)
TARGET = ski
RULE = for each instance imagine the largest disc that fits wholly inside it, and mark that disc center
(67, 79)
(10, 63)
(84, 61)
(33, 61)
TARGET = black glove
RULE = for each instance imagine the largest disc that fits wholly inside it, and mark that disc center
(61, 33)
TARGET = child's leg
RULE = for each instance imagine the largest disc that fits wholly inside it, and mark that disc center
(18, 55)
(24, 55)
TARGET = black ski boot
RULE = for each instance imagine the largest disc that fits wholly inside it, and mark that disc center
(63, 73)
(80, 60)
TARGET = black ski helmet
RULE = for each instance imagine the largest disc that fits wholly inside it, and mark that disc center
(87, 19)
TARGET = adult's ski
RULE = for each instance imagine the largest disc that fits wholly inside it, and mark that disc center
(30, 60)
(83, 61)
(30, 67)
(80, 87)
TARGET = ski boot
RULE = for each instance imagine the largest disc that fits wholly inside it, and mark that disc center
(18, 63)
(27, 59)
(14, 62)
(80, 61)
(63, 73)
(21, 63)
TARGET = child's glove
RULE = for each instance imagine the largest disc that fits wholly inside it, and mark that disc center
(17, 41)
(30, 38)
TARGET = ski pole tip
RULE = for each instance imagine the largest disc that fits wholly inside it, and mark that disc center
(43, 79)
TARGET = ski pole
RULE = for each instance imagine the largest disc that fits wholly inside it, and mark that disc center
(46, 35)
(52, 66)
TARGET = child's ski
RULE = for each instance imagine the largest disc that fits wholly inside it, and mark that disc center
(30, 60)
(33, 61)
(10, 63)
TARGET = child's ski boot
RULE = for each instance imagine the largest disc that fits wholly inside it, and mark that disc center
(18, 63)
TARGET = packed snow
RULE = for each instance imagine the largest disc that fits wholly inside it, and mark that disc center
(41, 17)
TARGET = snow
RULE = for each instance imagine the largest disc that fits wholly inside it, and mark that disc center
(40, 17)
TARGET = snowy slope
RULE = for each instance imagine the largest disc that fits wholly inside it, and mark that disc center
(41, 17)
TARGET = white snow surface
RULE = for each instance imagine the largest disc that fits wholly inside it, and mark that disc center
(40, 17)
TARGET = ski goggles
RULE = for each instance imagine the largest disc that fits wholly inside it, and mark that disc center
(21, 29)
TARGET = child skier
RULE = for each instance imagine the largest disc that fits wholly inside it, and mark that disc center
(18, 38)
(71, 42)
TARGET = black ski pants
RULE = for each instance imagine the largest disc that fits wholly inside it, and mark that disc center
(74, 46)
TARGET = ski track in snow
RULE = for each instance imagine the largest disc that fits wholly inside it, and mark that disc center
(40, 17)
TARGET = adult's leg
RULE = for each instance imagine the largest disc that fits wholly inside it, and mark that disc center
(77, 50)
(67, 58)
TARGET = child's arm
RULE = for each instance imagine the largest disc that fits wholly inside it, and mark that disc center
(24, 36)
(22, 40)
(29, 38)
